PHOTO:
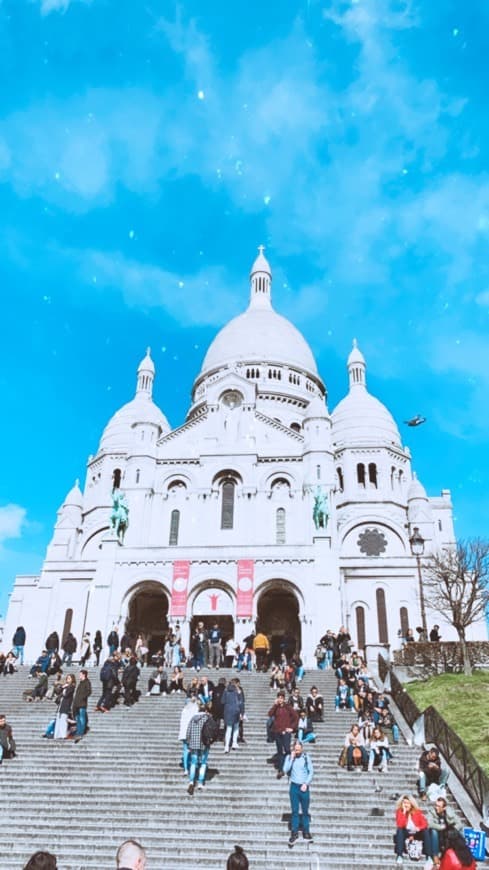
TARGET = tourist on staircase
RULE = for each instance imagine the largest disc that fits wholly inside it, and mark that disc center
(199, 745)
(7, 742)
(86, 650)
(18, 643)
(261, 648)
(58, 727)
(379, 754)
(41, 861)
(9, 665)
(356, 749)
(457, 855)
(158, 678)
(237, 860)
(80, 702)
(97, 647)
(130, 677)
(412, 834)
(190, 709)
(233, 712)
(285, 721)
(131, 856)
(441, 820)
(343, 698)
(215, 645)
(305, 729)
(69, 649)
(315, 705)
(431, 771)
(113, 641)
(298, 765)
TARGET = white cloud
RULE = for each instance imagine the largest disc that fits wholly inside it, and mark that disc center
(12, 522)
(48, 6)
(186, 298)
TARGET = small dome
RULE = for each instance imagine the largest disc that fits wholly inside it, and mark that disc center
(416, 490)
(316, 409)
(118, 432)
(260, 335)
(261, 263)
(74, 497)
(356, 356)
(361, 419)
(147, 364)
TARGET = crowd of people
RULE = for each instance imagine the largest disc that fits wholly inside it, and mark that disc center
(130, 855)
(214, 711)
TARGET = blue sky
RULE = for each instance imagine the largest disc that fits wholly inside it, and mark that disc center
(147, 149)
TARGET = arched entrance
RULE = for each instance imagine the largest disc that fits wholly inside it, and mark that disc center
(278, 618)
(148, 615)
(214, 604)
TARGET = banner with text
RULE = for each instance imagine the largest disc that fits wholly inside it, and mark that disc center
(181, 573)
(246, 576)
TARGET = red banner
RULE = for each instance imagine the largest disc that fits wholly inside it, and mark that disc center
(246, 576)
(181, 572)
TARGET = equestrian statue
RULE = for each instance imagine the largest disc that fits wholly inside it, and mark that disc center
(119, 518)
(320, 511)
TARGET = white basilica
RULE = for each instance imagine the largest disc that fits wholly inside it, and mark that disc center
(221, 508)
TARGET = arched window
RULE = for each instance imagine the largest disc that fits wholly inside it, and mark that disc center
(174, 527)
(280, 526)
(227, 506)
(393, 475)
(360, 616)
(440, 527)
(404, 618)
(372, 473)
(361, 474)
(67, 625)
(138, 475)
(116, 478)
(296, 427)
(382, 616)
(341, 483)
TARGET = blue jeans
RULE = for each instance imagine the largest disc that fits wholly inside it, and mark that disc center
(402, 835)
(198, 758)
(19, 652)
(306, 738)
(282, 742)
(299, 672)
(67, 659)
(81, 721)
(299, 800)
(422, 780)
(321, 664)
(185, 756)
(329, 658)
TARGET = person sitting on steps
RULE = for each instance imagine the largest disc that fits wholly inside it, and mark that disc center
(315, 705)
(379, 751)
(355, 748)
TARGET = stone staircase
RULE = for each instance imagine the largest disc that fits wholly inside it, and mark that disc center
(80, 801)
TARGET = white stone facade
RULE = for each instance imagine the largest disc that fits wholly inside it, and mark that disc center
(232, 490)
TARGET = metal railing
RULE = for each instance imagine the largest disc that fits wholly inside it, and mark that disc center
(437, 731)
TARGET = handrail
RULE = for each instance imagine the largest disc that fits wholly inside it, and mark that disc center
(438, 731)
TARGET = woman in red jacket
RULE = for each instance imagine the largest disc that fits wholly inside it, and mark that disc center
(411, 824)
(457, 855)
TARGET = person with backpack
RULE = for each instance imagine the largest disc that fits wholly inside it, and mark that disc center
(201, 732)
(69, 649)
(298, 766)
(109, 679)
(233, 712)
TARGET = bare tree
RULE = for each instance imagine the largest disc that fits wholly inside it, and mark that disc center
(456, 585)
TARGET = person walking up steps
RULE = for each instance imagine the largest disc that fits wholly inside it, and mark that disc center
(298, 765)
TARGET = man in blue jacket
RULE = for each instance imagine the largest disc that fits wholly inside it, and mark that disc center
(298, 765)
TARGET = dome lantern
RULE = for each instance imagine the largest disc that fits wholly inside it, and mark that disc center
(261, 282)
(356, 367)
(146, 376)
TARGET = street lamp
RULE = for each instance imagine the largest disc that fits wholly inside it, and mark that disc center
(417, 548)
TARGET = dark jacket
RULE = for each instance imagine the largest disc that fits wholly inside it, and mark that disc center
(7, 741)
(52, 642)
(66, 699)
(233, 705)
(19, 637)
(82, 694)
(70, 644)
(130, 676)
(113, 639)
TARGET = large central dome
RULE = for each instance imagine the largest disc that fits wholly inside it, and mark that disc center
(260, 334)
